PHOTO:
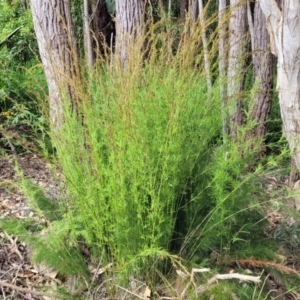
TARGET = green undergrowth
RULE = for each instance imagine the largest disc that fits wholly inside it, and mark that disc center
(132, 161)
(149, 181)
(147, 174)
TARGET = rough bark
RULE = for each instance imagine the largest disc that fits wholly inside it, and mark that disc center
(222, 25)
(236, 58)
(130, 16)
(56, 40)
(284, 28)
(262, 60)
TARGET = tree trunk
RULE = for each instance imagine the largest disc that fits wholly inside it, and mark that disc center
(284, 28)
(262, 68)
(222, 25)
(236, 58)
(205, 44)
(169, 8)
(189, 7)
(130, 16)
(56, 40)
(88, 42)
(193, 9)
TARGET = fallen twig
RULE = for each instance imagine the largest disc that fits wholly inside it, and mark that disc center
(14, 245)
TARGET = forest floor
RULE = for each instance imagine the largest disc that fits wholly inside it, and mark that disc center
(21, 279)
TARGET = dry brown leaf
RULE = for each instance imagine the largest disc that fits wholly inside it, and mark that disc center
(26, 274)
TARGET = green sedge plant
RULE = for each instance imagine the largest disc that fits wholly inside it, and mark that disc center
(147, 174)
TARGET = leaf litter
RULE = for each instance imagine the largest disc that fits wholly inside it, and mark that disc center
(21, 279)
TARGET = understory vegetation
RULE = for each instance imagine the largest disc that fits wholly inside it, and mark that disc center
(150, 187)
(22, 83)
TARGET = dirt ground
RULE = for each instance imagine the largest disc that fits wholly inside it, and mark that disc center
(19, 278)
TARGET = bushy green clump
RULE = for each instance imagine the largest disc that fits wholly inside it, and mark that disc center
(147, 173)
(146, 169)
(131, 160)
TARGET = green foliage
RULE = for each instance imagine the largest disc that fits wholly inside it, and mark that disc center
(59, 252)
(125, 176)
(23, 228)
(288, 234)
(52, 243)
(22, 82)
(232, 219)
(48, 245)
(21, 46)
(225, 290)
(4, 41)
(147, 175)
(146, 171)
(41, 204)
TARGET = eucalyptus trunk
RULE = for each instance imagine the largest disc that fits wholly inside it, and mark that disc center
(236, 59)
(284, 28)
(130, 16)
(262, 60)
(222, 25)
(88, 42)
(57, 47)
(205, 45)
(193, 9)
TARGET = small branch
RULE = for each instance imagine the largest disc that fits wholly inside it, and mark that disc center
(14, 245)
(236, 276)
